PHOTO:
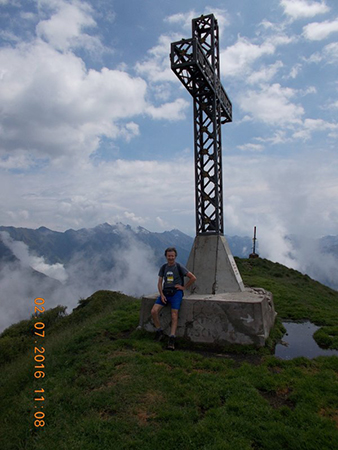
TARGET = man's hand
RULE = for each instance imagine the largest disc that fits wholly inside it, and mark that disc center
(163, 299)
(179, 287)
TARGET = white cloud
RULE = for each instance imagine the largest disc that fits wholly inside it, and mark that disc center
(237, 59)
(156, 65)
(298, 9)
(134, 272)
(333, 105)
(317, 31)
(130, 216)
(295, 193)
(85, 195)
(8, 36)
(184, 19)
(65, 28)
(271, 105)
(311, 126)
(53, 106)
(265, 74)
(129, 131)
(162, 223)
(21, 160)
(279, 137)
(21, 251)
(27, 15)
(251, 147)
(274, 245)
(298, 192)
(170, 111)
(330, 52)
(308, 91)
(315, 58)
(295, 70)
(279, 38)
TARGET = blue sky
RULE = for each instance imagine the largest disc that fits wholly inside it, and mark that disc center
(94, 126)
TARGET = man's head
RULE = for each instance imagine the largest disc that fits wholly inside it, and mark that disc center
(171, 254)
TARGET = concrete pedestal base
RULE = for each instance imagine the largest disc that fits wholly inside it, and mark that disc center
(231, 318)
(214, 266)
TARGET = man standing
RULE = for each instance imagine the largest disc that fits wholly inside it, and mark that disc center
(171, 287)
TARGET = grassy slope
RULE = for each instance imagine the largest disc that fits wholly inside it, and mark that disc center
(296, 296)
(107, 386)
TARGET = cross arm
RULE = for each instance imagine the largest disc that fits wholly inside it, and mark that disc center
(191, 66)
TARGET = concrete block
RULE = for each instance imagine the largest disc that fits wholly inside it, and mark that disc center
(244, 317)
(214, 266)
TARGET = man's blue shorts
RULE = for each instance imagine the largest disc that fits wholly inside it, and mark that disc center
(174, 301)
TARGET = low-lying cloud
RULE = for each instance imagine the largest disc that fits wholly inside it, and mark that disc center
(21, 251)
(133, 272)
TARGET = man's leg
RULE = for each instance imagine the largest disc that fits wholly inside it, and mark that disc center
(175, 303)
(174, 321)
(175, 306)
(156, 319)
(155, 314)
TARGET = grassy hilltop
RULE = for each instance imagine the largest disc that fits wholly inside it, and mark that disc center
(110, 386)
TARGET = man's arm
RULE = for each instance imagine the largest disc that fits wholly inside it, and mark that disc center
(192, 280)
(159, 287)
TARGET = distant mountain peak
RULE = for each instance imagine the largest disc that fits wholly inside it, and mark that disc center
(45, 230)
(104, 227)
(142, 230)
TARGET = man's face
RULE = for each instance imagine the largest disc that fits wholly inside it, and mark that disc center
(171, 256)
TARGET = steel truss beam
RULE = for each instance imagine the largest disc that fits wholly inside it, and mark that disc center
(195, 61)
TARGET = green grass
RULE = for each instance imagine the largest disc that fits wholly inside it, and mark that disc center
(296, 296)
(108, 385)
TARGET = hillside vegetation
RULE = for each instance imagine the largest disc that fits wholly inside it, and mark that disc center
(110, 386)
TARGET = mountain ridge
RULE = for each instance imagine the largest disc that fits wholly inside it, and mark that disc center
(58, 247)
(116, 257)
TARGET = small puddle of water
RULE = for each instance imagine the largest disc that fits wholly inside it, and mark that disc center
(299, 342)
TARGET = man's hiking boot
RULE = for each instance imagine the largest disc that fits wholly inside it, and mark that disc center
(171, 343)
(159, 335)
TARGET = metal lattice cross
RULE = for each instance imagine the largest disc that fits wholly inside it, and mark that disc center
(195, 61)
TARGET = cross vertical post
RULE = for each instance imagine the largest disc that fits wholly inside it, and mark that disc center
(196, 63)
